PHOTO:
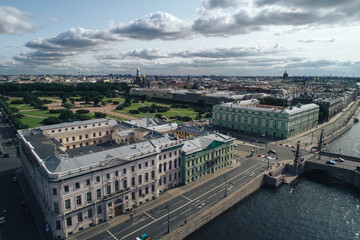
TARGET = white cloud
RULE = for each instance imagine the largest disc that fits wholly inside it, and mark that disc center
(321, 40)
(54, 20)
(14, 22)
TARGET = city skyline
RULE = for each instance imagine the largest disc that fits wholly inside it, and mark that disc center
(232, 37)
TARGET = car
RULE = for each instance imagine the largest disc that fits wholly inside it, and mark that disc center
(330, 162)
(339, 159)
(143, 237)
(272, 151)
(6, 155)
(2, 220)
(358, 168)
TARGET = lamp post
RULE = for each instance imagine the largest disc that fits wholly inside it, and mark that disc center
(225, 185)
(168, 217)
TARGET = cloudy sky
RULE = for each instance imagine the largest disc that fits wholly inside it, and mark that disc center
(187, 37)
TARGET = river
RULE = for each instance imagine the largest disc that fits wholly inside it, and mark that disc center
(315, 206)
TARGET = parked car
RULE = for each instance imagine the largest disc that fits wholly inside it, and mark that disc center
(339, 159)
(330, 162)
(6, 155)
(2, 220)
(272, 151)
(358, 168)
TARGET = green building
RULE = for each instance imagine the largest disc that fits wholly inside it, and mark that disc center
(205, 155)
(266, 120)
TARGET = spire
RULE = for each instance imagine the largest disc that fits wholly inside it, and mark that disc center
(138, 72)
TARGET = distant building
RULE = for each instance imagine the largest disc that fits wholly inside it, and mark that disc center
(184, 131)
(205, 155)
(285, 75)
(274, 121)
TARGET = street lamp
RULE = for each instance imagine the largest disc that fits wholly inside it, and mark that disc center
(225, 185)
(168, 217)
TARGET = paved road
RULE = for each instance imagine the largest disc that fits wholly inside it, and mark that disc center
(154, 222)
(16, 225)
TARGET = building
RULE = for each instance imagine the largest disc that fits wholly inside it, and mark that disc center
(265, 120)
(205, 155)
(81, 176)
(185, 131)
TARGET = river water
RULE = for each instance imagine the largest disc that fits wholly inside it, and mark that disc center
(315, 206)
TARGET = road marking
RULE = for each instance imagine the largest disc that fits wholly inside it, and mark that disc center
(150, 216)
(185, 211)
(221, 185)
(212, 196)
(186, 198)
(252, 174)
(112, 235)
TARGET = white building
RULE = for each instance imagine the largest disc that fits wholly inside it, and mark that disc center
(83, 185)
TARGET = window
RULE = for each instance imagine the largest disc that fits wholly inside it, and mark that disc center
(146, 164)
(160, 181)
(99, 134)
(56, 207)
(170, 178)
(68, 221)
(94, 134)
(108, 190)
(107, 175)
(159, 157)
(175, 163)
(116, 173)
(116, 186)
(170, 154)
(80, 218)
(153, 174)
(160, 166)
(54, 191)
(99, 209)
(80, 137)
(175, 152)
(124, 171)
(90, 213)
(98, 193)
(146, 177)
(133, 195)
(140, 192)
(164, 167)
(164, 156)
(79, 127)
(146, 190)
(152, 162)
(73, 138)
(125, 184)
(87, 182)
(140, 179)
(179, 152)
(78, 200)
(67, 139)
(164, 179)
(174, 176)
(133, 181)
(88, 197)
(133, 168)
(67, 204)
(72, 128)
(60, 140)
(77, 185)
(139, 166)
(66, 188)
(66, 129)
(170, 165)
(153, 188)
(97, 179)
(86, 136)
(58, 225)
(179, 162)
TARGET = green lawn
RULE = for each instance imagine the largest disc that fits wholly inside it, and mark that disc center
(189, 112)
(32, 121)
(39, 113)
(26, 107)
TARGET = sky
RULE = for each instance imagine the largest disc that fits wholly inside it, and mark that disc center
(187, 37)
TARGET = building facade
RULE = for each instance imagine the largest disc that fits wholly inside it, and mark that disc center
(267, 121)
(83, 186)
(205, 155)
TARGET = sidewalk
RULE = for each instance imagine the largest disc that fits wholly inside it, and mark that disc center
(164, 197)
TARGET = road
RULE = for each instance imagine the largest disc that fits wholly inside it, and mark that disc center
(154, 222)
(16, 225)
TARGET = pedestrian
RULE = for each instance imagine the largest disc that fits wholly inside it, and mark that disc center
(185, 221)
(134, 212)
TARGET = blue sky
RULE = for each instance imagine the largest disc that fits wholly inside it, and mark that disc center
(221, 37)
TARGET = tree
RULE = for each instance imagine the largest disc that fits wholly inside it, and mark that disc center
(63, 99)
(52, 120)
(68, 105)
(195, 86)
(67, 116)
(100, 115)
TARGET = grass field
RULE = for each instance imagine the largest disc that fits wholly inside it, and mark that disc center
(32, 121)
(39, 113)
(183, 112)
